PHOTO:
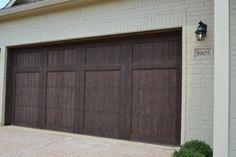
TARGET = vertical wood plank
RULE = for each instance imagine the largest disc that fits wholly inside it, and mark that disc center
(42, 91)
(79, 94)
(126, 90)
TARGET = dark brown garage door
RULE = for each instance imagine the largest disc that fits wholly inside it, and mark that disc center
(125, 87)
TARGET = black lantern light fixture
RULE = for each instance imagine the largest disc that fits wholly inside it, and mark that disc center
(201, 31)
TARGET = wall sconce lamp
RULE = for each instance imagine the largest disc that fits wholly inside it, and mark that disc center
(201, 31)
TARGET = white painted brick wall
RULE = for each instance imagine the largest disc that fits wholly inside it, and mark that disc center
(131, 16)
(233, 78)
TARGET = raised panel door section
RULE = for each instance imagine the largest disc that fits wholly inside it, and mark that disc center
(154, 91)
(155, 52)
(26, 99)
(28, 59)
(102, 100)
(154, 105)
(60, 101)
(63, 57)
(103, 55)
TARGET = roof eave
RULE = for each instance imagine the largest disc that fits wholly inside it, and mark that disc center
(31, 7)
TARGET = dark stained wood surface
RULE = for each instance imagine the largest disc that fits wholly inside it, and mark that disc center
(102, 99)
(26, 98)
(153, 103)
(127, 88)
(60, 101)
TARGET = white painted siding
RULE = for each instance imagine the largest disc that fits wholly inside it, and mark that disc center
(131, 16)
(233, 78)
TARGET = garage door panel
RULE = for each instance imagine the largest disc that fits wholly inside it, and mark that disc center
(151, 87)
(68, 95)
(153, 125)
(102, 123)
(28, 59)
(60, 119)
(154, 102)
(62, 57)
(155, 52)
(102, 91)
(103, 55)
(102, 98)
(26, 98)
(27, 115)
(53, 117)
(95, 100)
(64, 97)
(60, 100)
(68, 120)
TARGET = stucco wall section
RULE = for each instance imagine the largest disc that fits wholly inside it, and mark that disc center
(233, 78)
(114, 17)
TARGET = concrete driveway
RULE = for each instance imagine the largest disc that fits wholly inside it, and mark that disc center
(25, 142)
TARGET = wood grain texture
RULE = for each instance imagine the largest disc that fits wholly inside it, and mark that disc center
(64, 57)
(154, 97)
(60, 101)
(26, 98)
(154, 103)
(102, 99)
(103, 55)
(28, 58)
(127, 88)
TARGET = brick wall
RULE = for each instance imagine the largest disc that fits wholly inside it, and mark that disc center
(113, 17)
(233, 78)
